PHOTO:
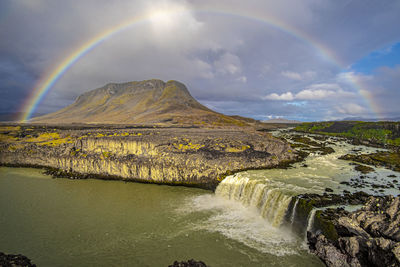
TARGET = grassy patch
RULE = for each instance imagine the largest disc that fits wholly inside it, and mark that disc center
(375, 132)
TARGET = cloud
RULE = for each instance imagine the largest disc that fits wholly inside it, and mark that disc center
(292, 75)
(380, 89)
(307, 75)
(314, 94)
(228, 63)
(351, 109)
(321, 91)
(242, 79)
(284, 97)
(225, 59)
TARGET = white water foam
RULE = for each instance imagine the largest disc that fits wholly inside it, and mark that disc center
(294, 212)
(243, 224)
(310, 222)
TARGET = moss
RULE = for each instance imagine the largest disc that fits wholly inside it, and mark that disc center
(57, 142)
(188, 146)
(390, 160)
(237, 149)
(43, 137)
(106, 154)
(7, 138)
(395, 142)
(363, 169)
(10, 128)
(15, 147)
(327, 227)
(48, 139)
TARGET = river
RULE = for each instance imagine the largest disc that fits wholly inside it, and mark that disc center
(62, 222)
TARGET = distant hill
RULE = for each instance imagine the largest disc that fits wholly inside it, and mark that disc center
(144, 102)
(281, 121)
(14, 116)
(370, 119)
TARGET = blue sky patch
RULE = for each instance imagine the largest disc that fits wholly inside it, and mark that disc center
(388, 56)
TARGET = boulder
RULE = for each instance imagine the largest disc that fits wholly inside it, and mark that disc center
(366, 237)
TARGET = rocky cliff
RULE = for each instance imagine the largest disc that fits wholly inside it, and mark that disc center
(198, 157)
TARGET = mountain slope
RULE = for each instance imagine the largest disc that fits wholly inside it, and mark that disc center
(144, 102)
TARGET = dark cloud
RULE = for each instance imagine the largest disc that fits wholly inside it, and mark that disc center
(230, 62)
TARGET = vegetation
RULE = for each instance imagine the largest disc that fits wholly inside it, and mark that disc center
(387, 159)
(381, 133)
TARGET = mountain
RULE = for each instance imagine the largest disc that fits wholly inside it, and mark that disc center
(144, 102)
(279, 120)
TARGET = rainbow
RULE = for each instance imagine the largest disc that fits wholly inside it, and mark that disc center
(51, 77)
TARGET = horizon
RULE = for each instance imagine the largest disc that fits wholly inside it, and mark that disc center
(298, 61)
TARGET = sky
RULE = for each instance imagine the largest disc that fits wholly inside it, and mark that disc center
(307, 60)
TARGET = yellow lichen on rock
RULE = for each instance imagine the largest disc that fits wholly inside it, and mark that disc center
(237, 149)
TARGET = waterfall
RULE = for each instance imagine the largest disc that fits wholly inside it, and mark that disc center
(268, 198)
(310, 222)
(294, 212)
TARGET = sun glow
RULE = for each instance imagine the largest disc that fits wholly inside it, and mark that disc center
(162, 18)
(165, 17)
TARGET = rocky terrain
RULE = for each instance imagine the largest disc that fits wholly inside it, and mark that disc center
(10, 260)
(387, 159)
(366, 237)
(189, 263)
(177, 156)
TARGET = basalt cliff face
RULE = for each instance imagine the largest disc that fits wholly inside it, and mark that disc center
(197, 157)
(146, 102)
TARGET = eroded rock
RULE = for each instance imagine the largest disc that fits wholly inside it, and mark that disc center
(189, 263)
(366, 237)
(10, 260)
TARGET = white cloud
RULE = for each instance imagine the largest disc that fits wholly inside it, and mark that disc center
(228, 63)
(292, 75)
(242, 79)
(168, 16)
(297, 76)
(285, 97)
(325, 86)
(313, 92)
(310, 74)
(351, 109)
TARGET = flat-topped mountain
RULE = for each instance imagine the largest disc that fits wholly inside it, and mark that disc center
(144, 102)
